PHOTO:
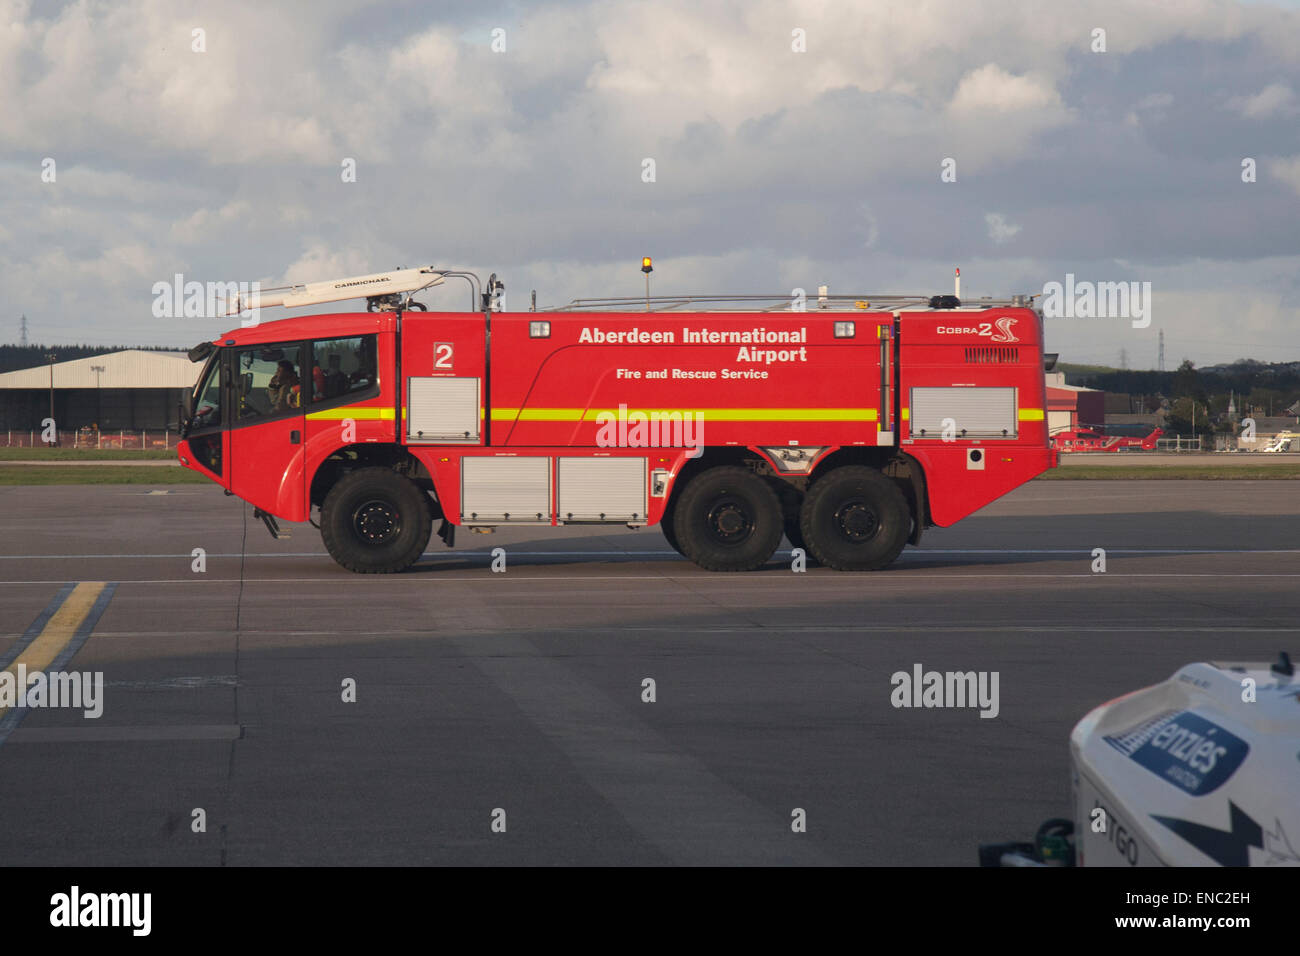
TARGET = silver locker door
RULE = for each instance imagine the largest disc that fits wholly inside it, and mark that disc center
(496, 490)
(602, 489)
(979, 412)
(442, 410)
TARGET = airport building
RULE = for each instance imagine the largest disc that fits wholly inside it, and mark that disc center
(1071, 406)
(132, 390)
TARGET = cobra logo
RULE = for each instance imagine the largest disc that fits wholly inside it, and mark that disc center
(1004, 334)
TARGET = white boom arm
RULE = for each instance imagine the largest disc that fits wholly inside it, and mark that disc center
(337, 290)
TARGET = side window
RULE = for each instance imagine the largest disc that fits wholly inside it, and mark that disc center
(207, 397)
(267, 382)
(343, 366)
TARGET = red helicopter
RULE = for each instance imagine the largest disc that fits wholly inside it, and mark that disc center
(1087, 439)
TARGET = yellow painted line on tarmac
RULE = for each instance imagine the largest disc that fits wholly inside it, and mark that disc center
(58, 632)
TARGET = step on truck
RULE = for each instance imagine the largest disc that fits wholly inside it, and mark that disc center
(848, 424)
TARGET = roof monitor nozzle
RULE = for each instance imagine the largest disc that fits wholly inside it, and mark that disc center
(383, 291)
(494, 295)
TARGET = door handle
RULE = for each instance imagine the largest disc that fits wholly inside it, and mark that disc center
(295, 437)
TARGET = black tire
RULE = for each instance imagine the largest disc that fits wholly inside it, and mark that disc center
(855, 519)
(374, 521)
(728, 519)
(670, 532)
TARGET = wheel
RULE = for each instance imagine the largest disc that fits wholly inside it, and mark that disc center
(670, 532)
(374, 521)
(728, 519)
(855, 519)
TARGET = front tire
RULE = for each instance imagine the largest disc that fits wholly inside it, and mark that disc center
(669, 531)
(855, 519)
(374, 521)
(728, 519)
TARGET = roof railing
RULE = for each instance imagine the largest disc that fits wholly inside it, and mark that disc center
(785, 303)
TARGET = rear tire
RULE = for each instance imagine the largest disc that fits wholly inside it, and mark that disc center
(855, 519)
(374, 521)
(728, 519)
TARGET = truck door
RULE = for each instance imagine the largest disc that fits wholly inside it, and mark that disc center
(207, 436)
(266, 427)
(444, 379)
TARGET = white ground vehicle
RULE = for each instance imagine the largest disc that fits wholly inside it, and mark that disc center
(1281, 442)
(1201, 770)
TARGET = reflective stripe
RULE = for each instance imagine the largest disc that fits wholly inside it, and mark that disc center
(709, 414)
(537, 414)
(357, 413)
(906, 413)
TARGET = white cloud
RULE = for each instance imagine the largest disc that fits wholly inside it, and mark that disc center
(321, 262)
(206, 223)
(1271, 100)
(992, 88)
(1287, 170)
(1000, 230)
(771, 163)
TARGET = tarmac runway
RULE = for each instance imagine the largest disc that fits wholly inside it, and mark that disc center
(1129, 459)
(515, 701)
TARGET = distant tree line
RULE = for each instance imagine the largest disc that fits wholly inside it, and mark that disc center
(16, 357)
(1196, 400)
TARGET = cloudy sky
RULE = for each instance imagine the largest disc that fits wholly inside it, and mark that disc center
(773, 168)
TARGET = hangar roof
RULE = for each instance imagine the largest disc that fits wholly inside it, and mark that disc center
(133, 368)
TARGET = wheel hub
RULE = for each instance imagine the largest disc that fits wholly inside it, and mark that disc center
(856, 521)
(377, 522)
(729, 520)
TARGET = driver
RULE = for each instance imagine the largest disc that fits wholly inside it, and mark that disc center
(280, 389)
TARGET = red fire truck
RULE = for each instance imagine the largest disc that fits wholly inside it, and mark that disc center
(849, 424)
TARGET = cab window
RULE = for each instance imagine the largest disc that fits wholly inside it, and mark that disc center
(268, 383)
(342, 368)
(207, 397)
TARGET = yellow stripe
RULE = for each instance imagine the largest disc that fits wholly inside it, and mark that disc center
(537, 414)
(357, 413)
(1031, 414)
(709, 414)
(58, 630)
(906, 415)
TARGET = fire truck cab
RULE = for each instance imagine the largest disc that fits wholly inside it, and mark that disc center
(849, 425)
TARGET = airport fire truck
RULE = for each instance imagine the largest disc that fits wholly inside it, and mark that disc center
(847, 423)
